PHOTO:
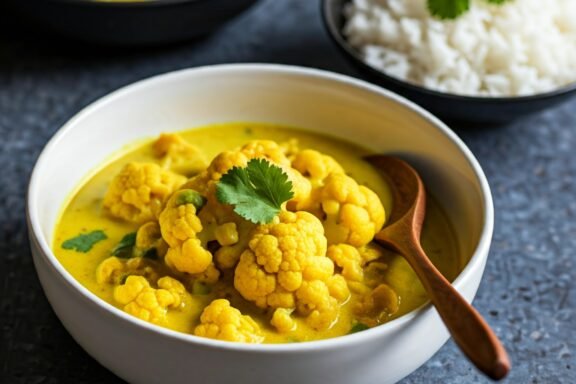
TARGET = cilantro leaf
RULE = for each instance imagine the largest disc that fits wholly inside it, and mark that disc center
(125, 246)
(451, 9)
(84, 241)
(256, 191)
(358, 327)
(448, 9)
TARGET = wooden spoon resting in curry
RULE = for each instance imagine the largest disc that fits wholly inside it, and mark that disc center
(402, 235)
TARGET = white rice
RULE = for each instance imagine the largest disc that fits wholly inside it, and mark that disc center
(523, 47)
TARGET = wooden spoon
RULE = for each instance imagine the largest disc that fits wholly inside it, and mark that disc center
(402, 235)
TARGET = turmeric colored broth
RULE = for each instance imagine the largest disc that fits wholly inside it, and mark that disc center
(84, 213)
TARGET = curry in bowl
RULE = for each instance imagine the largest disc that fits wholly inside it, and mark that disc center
(245, 232)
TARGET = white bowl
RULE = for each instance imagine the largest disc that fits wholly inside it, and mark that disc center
(320, 101)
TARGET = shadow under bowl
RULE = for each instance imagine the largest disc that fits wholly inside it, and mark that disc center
(135, 23)
(457, 108)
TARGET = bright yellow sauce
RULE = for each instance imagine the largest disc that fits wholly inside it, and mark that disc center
(84, 213)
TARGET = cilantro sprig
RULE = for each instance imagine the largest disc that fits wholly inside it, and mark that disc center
(256, 191)
(84, 241)
(451, 9)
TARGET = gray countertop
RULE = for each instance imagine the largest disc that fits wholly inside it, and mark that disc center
(528, 293)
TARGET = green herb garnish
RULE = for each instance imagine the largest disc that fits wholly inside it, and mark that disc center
(125, 246)
(451, 9)
(358, 327)
(84, 241)
(190, 196)
(256, 191)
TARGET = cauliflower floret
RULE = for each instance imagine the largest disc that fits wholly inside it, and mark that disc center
(349, 259)
(282, 261)
(178, 155)
(114, 270)
(209, 276)
(374, 273)
(276, 257)
(301, 187)
(377, 306)
(358, 265)
(226, 234)
(315, 302)
(311, 168)
(147, 303)
(179, 225)
(291, 147)
(353, 213)
(282, 321)
(110, 270)
(190, 257)
(221, 321)
(338, 288)
(370, 252)
(267, 149)
(137, 193)
(149, 242)
(316, 166)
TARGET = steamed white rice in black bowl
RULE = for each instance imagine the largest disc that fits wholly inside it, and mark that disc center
(492, 64)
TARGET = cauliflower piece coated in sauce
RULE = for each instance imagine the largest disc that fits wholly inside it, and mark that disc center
(354, 213)
(178, 155)
(139, 299)
(180, 225)
(353, 261)
(378, 305)
(351, 213)
(149, 242)
(114, 270)
(221, 321)
(315, 165)
(285, 267)
(137, 193)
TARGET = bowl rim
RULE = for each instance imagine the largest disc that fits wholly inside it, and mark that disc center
(330, 25)
(42, 244)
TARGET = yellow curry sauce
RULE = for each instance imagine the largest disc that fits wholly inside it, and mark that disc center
(392, 282)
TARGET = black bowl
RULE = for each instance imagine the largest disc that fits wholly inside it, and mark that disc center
(147, 22)
(480, 110)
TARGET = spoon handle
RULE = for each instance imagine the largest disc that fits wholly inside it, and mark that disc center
(469, 330)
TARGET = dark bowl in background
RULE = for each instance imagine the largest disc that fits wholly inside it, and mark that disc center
(147, 22)
(458, 108)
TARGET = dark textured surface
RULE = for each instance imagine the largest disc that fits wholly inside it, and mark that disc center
(527, 294)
